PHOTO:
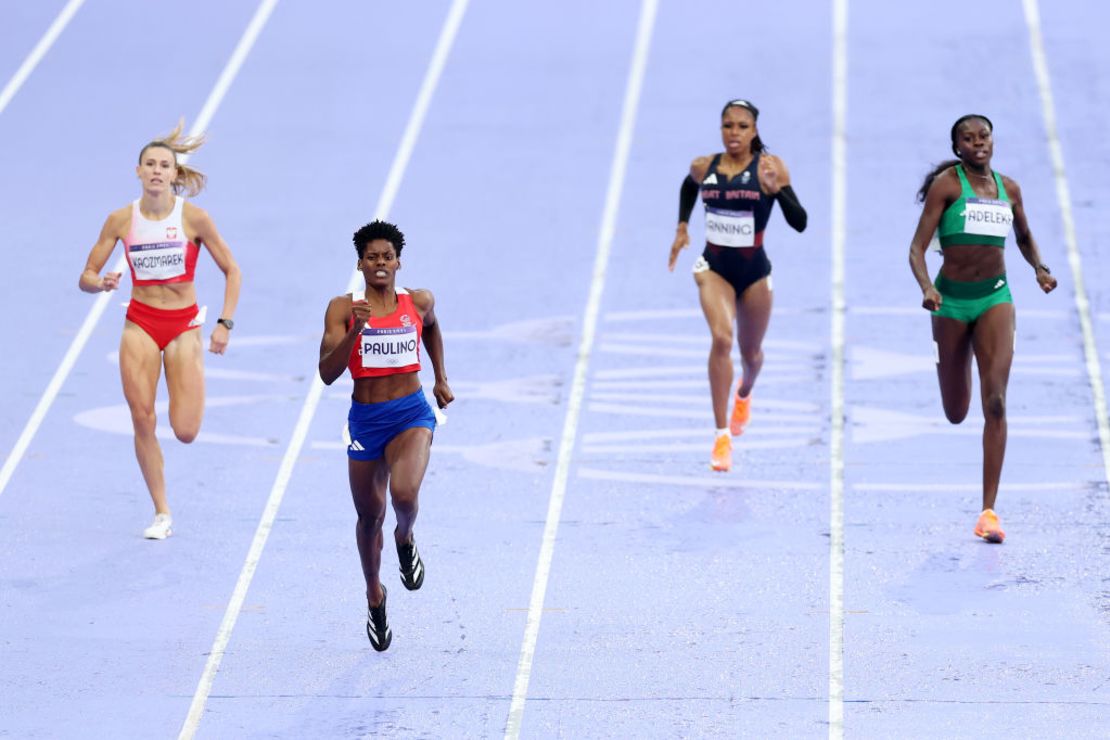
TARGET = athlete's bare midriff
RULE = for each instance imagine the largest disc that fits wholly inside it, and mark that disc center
(385, 387)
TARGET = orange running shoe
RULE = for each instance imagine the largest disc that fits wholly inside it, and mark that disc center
(722, 454)
(741, 414)
(989, 528)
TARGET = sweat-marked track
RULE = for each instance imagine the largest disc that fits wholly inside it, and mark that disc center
(587, 575)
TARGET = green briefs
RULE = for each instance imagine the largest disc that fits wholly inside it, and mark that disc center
(968, 301)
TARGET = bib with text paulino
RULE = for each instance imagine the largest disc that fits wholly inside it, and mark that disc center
(987, 217)
(158, 261)
(394, 346)
(729, 228)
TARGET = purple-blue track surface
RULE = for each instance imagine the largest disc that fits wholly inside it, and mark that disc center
(680, 603)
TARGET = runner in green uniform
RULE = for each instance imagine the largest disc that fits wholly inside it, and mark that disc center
(972, 208)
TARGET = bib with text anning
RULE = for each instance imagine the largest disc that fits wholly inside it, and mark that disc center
(729, 228)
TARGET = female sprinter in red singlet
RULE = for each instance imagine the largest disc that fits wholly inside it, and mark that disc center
(739, 187)
(376, 334)
(162, 235)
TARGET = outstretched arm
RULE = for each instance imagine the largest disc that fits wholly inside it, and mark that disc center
(90, 280)
(1025, 241)
(206, 232)
(339, 339)
(433, 344)
(687, 198)
(774, 178)
(935, 203)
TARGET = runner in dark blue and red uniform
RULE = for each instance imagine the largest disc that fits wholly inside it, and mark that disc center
(376, 334)
(739, 188)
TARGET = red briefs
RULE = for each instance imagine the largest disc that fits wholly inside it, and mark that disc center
(162, 324)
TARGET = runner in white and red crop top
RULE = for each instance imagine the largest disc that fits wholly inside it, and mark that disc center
(162, 235)
(375, 334)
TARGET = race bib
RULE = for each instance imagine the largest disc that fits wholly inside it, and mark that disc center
(387, 348)
(159, 261)
(729, 228)
(988, 217)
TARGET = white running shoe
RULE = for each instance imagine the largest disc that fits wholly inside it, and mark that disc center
(160, 529)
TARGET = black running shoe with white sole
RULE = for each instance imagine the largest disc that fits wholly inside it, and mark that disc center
(377, 626)
(412, 567)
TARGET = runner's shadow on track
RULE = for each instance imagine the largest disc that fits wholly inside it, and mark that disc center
(969, 580)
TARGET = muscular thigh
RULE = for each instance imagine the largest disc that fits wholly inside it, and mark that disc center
(718, 300)
(993, 343)
(953, 344)
(368, 485)
(407, 455)
(140, 364)
(184, 362)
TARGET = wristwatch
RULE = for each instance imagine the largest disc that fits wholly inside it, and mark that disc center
(227, 323)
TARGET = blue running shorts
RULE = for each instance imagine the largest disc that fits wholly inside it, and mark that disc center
(373, 425)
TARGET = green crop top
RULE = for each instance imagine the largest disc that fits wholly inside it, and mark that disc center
(975, 220)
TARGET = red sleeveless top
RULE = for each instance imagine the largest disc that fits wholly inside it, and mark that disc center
(389, 345)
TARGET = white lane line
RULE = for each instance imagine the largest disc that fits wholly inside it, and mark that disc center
(16, 82)
(962, 488)
(836, 435)
(312, 400)
(1063, 198)
(37, 53)
(578, 387)
(100, 304)
(697, 481)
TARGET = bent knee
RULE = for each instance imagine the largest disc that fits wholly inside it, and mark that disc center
(144, 420)
(722, 342)
(371, 522)
(185, 432)
(956, 413)
(751, 357)
(405, 497)
(994, 406)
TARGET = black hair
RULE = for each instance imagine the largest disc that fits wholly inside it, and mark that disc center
(757, 143)
(379, 230)
(932, 175)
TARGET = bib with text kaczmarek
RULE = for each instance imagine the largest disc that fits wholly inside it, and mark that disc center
(987, 217)
(390, 347)
(729, 228)
(157, 261)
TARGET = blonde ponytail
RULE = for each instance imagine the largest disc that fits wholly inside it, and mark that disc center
(189, 180)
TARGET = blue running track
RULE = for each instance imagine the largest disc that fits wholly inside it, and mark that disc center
(677, 602)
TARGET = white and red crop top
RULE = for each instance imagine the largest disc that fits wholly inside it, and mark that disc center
(389, 345)
(158, 251)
